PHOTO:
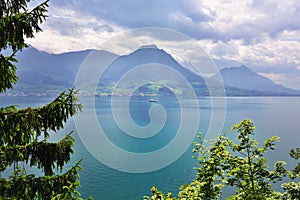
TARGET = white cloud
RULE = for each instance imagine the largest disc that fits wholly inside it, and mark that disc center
(270, 52)
(289, 35)
(250, 19)
(274, 52)
(68, 30)
(229, 15)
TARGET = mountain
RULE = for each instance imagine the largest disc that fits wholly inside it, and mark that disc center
(41, 72)
(37, 67)
(156, 65)
(244, 78)
(44, 73)
(147, 55)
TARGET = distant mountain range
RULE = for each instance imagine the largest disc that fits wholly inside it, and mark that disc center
(43, 73)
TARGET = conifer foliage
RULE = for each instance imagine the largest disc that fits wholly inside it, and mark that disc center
(24, 133)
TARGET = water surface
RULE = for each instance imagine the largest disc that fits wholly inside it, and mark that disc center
(271, 115)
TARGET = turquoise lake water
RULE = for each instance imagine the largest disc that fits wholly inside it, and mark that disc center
(271, 115)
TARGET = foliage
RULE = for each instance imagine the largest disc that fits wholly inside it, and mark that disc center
(292, 189)
(24, 133)
(210, 174)
(249, 169)
(16, 24)
(22, 186)
(158, 195)
(240, 163)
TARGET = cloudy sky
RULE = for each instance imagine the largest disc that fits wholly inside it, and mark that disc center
(261, 34)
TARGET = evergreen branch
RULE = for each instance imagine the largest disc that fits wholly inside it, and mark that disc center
(17, 24)
(18, 127)
(45, 187)
(8, 72)
(41, 154)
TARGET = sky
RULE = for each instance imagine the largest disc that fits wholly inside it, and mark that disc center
(263, 35)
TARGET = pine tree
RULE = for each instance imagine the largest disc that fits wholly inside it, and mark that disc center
(24, 133)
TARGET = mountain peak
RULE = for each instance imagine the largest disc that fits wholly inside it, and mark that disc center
(150, 46)
(241, 68)
(244, 68)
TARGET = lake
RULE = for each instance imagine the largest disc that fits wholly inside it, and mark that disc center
(113, 180)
